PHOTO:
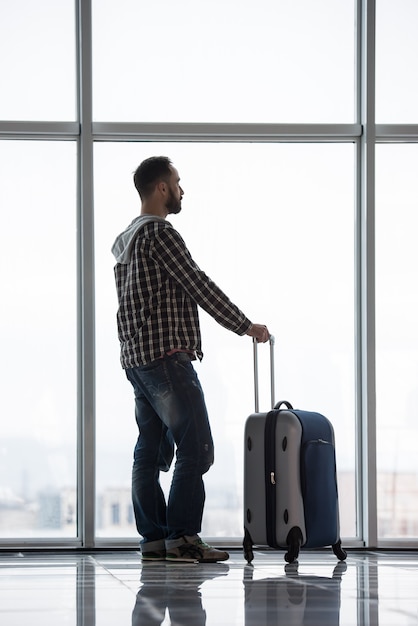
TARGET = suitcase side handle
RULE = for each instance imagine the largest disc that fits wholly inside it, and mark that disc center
(255, 356)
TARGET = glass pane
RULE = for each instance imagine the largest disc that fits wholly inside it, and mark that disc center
(37, 46)
(396, 62)
(397, 339)
(272, 224)
(38, 335)
(224, 61)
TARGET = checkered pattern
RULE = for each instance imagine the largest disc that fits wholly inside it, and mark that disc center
(159, 292)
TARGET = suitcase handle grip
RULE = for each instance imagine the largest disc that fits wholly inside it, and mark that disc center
(255, 355)
(285, 402)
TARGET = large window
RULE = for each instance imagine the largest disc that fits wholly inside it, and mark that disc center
(397, 339)
(38, 52)
(296, 203)
(224, 61)
(396, 62)
(284, 241)
(38, 400)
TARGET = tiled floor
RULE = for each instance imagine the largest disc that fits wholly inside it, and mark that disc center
(114, 589)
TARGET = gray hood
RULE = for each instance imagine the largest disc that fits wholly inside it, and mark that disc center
(122, 248)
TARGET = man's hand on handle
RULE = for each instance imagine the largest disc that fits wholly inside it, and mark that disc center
(259, 331)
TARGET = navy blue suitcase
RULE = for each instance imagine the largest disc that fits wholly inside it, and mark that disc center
(290, 483)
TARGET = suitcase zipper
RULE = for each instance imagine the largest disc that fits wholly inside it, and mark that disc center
(270, 477)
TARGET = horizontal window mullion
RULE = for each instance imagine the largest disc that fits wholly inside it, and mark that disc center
(124, 131)
(396, 132)
(39, 130)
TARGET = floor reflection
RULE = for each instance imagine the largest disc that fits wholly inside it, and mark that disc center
(115, 589)
(294, 598)
(175, 590)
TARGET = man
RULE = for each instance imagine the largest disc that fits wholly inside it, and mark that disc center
(159, 288)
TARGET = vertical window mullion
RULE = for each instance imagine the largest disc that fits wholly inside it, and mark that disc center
(86, 336)
(366, 274)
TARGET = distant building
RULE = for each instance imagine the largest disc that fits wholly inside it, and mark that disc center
(58, 509)
(115, 511)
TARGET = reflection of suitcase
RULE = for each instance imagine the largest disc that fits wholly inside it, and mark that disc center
(293, 599)
(290, 485)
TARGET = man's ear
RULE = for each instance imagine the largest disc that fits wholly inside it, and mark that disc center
(162, 186)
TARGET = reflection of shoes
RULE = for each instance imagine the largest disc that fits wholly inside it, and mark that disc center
(194, 550)
(155, 555)
(186, 578)
(182, 574)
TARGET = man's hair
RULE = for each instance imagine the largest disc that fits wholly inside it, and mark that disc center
(150, 172)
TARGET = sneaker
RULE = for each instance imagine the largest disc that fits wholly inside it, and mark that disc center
(194, 550)
(155, 555)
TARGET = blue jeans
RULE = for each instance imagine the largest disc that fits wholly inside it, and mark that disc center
(169, 405)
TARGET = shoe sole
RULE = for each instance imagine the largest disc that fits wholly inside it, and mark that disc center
(177, 559)
(185, 560)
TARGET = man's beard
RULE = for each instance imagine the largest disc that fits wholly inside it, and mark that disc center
(173, 205)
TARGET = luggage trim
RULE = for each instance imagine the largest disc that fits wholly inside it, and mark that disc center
(269, 474)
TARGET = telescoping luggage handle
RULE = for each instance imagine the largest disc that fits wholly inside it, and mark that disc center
(272, 390)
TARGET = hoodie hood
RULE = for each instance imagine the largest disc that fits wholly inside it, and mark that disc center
(122, 248)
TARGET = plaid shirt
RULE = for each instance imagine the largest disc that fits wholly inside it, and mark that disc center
(159, 291)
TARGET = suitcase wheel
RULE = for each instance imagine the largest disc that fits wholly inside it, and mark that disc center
(247, 544)
(339, 552)
(294, 541)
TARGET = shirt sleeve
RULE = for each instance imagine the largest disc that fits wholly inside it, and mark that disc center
(170, 252)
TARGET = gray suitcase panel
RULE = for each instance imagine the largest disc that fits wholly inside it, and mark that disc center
(285, 474)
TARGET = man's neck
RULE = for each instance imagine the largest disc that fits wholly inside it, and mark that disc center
(151, 208)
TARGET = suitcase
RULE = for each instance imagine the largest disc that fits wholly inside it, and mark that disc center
(290, 484)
